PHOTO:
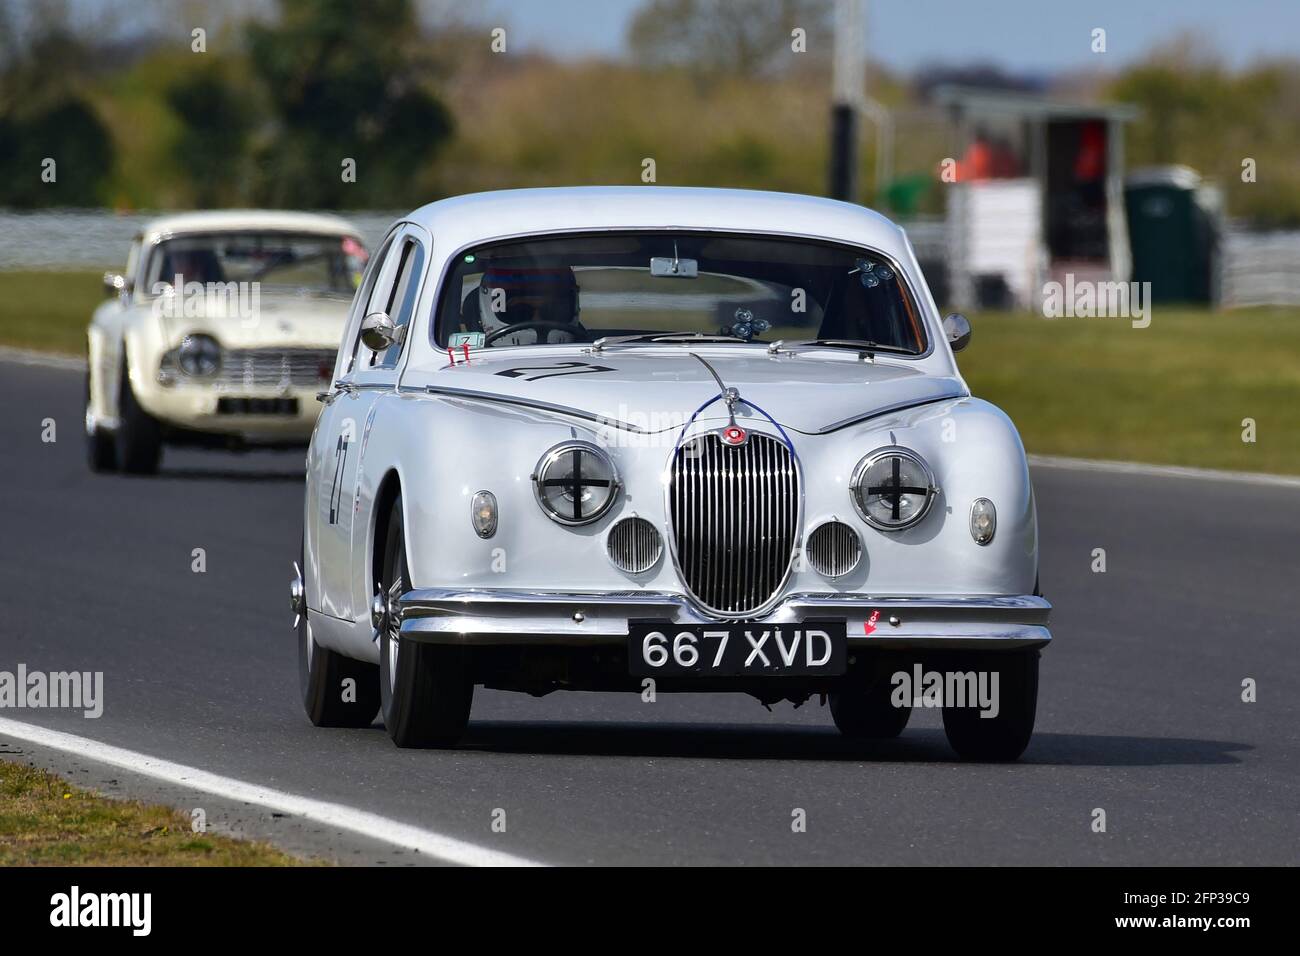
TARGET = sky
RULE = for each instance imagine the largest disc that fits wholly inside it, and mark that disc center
(1023, 35)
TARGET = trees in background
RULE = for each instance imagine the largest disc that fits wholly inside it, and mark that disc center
(344, 82)
(732, 37)
(54, 149)
(712, 90)
(1198, 113)
(214, 138)
(326, 103)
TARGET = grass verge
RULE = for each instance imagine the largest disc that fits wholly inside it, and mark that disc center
(45, 821)
(48, 311)
(1174, 393)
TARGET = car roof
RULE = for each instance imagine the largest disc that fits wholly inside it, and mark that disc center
(477, 217)
(237, 220)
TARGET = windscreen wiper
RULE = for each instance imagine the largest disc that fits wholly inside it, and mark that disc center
(689, 338)
(864, 347)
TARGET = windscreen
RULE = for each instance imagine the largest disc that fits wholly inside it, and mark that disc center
(279, 262)
(577, 288)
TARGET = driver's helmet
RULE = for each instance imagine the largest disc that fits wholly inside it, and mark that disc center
(192, 265)
(511, 295)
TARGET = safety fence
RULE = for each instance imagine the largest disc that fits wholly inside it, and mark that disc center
(69, 239)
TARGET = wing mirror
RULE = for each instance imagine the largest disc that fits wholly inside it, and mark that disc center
(957, 329)
(114, 284)
(378, 331)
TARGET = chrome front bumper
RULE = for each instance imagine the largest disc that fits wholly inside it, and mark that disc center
(493, 616)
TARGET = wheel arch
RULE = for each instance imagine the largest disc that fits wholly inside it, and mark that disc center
(104, 356)
(386, 494)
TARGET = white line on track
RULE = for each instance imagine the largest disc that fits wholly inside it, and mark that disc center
(69, 363)
(428, 843)
(1164, 471)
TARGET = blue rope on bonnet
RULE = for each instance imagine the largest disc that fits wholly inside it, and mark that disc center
(719, 397)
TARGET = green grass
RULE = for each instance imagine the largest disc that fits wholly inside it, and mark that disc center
(44, 821)
(48, 311)
(1173, 393)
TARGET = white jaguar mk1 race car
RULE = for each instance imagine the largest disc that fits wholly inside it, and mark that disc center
(220, 331)
(652, 440)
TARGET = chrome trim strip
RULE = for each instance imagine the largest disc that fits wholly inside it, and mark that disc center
(947, 637)
(1028, 608)
(883, 410)
(415, 600)
(345, 387)
(472, 395)
(498, 617)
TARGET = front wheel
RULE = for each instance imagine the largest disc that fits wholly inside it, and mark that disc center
(426, 690)
(868, 711)
(101, 454)
(1004, 736)
(139, 436)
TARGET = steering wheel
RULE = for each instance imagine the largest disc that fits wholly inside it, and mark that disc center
(576, 330)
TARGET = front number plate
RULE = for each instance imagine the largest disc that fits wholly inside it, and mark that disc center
(807, 649)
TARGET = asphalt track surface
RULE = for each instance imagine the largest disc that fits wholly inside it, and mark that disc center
(1140, 710)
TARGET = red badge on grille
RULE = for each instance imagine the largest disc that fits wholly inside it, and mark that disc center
(733, 435)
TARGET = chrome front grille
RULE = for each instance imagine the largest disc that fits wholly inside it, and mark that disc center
(275, 368)
(735, 516)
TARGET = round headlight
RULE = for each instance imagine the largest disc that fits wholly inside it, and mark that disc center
(575, 482)
(199, 355)
(892, 488)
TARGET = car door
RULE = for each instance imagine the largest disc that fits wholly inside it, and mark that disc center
(363, 376)
(333, 444)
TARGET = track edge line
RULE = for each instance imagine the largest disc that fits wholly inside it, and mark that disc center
(362, 822)
(1163, 471)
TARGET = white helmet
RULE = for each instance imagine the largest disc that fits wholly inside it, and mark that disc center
(515, 295)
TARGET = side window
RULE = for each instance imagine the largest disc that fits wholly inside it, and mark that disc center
(404, 295)
(366, 292)
(132, 263)
(380, 294)
(395, 297)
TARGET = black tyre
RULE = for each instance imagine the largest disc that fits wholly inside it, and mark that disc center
(1005, 736)
(866, 710)
(426, 689)
(101, 454)
(138, 436)
(337, 691)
